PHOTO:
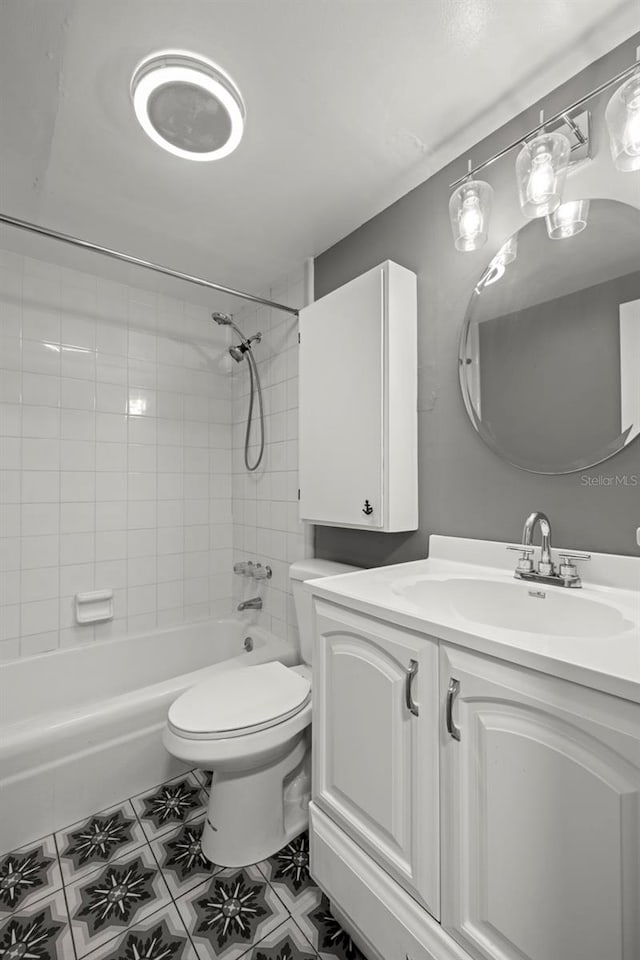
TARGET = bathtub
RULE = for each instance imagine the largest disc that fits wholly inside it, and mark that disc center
(80, 728)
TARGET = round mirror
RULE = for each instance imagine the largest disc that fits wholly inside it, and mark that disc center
(550, 348)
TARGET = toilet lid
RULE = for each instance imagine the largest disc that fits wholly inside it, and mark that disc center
(235, 700)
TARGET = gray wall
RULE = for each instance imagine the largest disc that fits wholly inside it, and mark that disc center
(465, 489)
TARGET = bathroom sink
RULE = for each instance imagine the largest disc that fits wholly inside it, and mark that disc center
(519, 606)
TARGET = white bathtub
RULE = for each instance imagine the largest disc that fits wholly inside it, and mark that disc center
(80, 728)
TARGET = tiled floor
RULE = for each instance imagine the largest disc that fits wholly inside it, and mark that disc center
(131, 883)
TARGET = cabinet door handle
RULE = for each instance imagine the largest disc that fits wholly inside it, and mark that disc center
(412, 706)
(452, 693)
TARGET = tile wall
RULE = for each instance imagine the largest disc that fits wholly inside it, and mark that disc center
(265, 503)
(116, 461)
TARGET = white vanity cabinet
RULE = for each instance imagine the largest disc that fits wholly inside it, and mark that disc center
(375, 743)
(540, 815)
(358, 403)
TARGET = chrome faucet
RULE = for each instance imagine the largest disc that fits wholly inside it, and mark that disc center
(565, 576)
(545, 566)
(254, 604)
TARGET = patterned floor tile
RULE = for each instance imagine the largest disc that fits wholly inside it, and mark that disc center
(288, 873)
(165, 807)
(230, 913)
(286, 942)
(100, 839)
(39, 932)
(28, 875)
(181, 859)
(325, 933)
(161, 936)
(103, 904)
(205, 777)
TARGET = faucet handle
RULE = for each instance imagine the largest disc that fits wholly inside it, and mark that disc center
(574, 555)
(567, 569)
(525, 563)
(261, 573)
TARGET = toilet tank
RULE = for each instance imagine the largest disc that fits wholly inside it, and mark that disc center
(310, 570)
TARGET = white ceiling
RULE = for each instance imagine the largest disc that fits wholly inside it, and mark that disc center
(350, 104)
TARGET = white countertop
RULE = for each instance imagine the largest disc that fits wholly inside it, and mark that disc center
(610, 663)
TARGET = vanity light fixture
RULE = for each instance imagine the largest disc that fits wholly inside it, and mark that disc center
(623, 121)
(188, 105)
(547, 151)
(541, 169)
(469, 211)
(568, 220)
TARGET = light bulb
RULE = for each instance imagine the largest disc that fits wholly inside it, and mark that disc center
(623, 120)
(470, 217)
(542, 178)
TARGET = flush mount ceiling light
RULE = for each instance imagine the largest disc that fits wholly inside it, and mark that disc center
(188, 105)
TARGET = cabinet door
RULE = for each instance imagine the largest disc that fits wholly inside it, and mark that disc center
(541, 816)
(375, 761)
(341, 405)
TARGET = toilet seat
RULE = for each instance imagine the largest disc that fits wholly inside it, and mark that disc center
(239, 702)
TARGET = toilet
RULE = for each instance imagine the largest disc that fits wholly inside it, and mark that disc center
(251, 726)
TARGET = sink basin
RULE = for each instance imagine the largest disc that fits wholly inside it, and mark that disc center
(517, 605)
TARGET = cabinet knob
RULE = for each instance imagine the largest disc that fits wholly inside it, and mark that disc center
(367, 509)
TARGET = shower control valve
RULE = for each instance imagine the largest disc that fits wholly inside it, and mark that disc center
(261, 573)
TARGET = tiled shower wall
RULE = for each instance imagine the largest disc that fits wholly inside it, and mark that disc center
(115, 457)
(265, 503)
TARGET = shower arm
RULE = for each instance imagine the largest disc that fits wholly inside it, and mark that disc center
(136, 261)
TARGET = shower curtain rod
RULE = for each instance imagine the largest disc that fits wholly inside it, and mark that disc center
(147, 264)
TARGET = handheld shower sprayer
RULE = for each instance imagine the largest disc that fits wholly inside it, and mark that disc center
(238, 352)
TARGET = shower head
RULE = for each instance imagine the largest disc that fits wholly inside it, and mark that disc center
(224, 319)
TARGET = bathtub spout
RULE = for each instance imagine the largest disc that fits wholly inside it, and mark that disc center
(254, 604)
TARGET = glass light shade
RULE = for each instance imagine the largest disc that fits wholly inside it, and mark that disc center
(568, 220)
(469, 210)
(541, 169)
(623, 121)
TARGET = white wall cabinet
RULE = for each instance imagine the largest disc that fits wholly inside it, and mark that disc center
(376, 743)
(536, 839)
(358, 404)
(541, 824)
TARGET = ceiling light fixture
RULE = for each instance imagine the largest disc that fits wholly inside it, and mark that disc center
(568, 220)
(188, 105)
(623, 120)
